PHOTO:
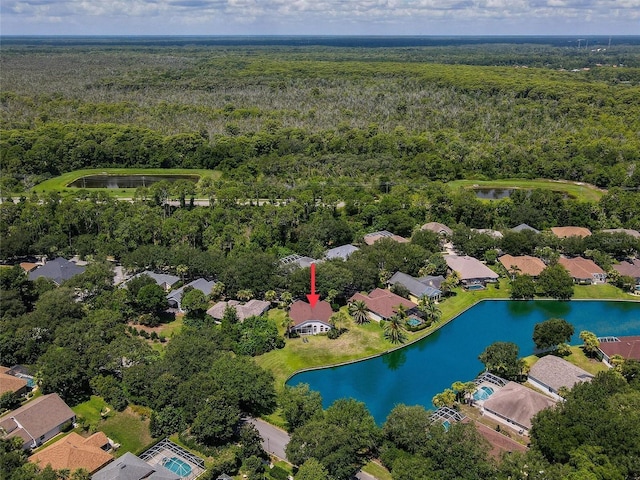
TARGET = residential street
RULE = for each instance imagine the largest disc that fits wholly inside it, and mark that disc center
(274, 439)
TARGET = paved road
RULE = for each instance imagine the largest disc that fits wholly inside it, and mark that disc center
(274, 439)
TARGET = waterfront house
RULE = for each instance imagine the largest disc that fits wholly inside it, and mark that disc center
(522, 265)
(552, 373)
(583, 270)
(417, 287)
(516, 405)
(471, 271)
(626, 347)
(309, 320)
(383, 304)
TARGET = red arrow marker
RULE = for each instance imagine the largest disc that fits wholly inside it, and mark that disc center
(313, 297)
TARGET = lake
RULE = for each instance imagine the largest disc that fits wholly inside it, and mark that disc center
(127, 181)
(414, 374)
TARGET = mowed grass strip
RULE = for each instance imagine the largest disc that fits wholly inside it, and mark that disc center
(59, 184)
(578, 190)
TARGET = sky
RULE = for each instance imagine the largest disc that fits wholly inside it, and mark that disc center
(320, 17)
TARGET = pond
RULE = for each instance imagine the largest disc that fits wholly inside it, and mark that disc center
(493, 193)
(127, 181)
(414, 374)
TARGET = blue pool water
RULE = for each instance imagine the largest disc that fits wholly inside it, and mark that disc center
(414, 374)
(475, 287)
(482, 393)
(177, 466)
(414, 322)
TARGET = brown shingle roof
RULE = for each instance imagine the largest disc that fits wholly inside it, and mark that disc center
(556, 373)
(517, 403)
(526, 264)
(631, 269)
(580, 268)
(73, 452)
(627, 347)
(301, 312)
(469, 268)
(437, 227)
(37, 417)
(566, 232)
(9, 383)
(371, 238)
(499, 442)
(383, 302)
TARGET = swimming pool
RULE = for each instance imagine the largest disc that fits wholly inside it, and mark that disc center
(475, 287)
(482, 393)
(177, 466)
(414, 322)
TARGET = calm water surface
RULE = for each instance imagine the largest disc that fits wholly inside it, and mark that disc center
(413, 375)
(127, 181)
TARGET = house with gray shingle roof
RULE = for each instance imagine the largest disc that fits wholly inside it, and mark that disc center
(37, 421)
(628, 231)
(174, 298)
(523, 227)
(417, 288)
(57, 270)
(342, 252)
(131, 467)
(552, 373)
(164, 280)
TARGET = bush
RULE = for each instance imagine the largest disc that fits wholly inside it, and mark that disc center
(278, 473)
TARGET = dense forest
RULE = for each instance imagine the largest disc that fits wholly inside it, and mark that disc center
(294, 114)
(317, 146)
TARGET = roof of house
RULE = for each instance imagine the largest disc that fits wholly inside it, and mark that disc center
(469, 268)
(28, 266)
(517, 403)
(251, 308)
(628, 231)
(627, 347)
(437, 227)
(524, 227)
(130, 467)
(383, 302)
(525, 264)
(415, 286)
(9, 383)
(57, 270)
(37, 417)
(73, 452)
(630, 269)
(344, 251)
(301, 312)
(556, 373)
(580, 268)
(499, 442)
(159, 278)
(566, 232)
(434, 281)
(371, 238)
(488, 231)
(201, 284)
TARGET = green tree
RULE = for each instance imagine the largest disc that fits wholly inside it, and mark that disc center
(591, 344)
(151, 298)
(216, 421)
(444, 399)
(407, 427)
(429, 309)
(63, 371)
(311, 469)
(394, 331)
(194, 303)
(523, 287)
(359, 311)
(501, 358)
(551, 333)
(554, 281)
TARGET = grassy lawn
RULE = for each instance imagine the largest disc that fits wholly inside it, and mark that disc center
(599, 292)
(378, 471)
(60, 183)
(578, 358)
(578, 190)
(127, 428)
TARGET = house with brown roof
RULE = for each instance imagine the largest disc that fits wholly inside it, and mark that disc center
(11, 383)
(566, 232)
(629, 269)
(522, 265)
(38, 421)
(371, 238)
(626, 347)
(499, 442)
(583, 270)
(627, 231)
(552, 373)
(74, 451)
(471, 271)
(253, 308)
(436, 227)
(309, 320)
(383, 304)
(516, 405)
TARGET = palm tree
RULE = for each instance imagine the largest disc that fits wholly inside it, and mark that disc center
(430, 309)
(393, 330)
(244, 295)
(358, 310)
